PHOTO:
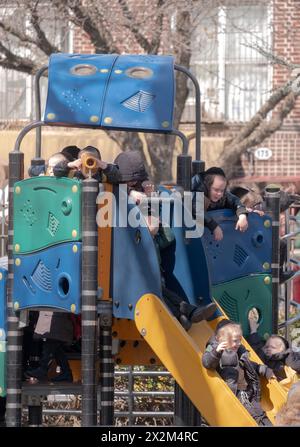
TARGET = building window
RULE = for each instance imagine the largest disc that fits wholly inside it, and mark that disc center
(234, 77)
(17, 88)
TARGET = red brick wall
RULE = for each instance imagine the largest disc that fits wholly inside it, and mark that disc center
(286, 43)
(82, 43)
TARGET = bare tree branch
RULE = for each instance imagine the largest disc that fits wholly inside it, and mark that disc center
(133, 27)
(99, 33)
(269, 105)
(17, 33)
(13, 62)
(156, 41)
(232, 152)
(42, 40)
(273, 58)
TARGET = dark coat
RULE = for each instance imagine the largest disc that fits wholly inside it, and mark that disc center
(228, 201)
(54, 326)
(227, 363)
(111, 172)
(277, 361)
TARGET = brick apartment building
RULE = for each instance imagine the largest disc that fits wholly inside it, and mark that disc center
(234, 80)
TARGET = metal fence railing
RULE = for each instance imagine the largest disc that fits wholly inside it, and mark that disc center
(289, 292)
(129, 408)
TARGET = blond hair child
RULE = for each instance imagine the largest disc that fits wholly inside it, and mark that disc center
(226, 354)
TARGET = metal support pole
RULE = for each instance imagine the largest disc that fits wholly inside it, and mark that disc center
(273, 208)
(35, 411)
(197, 108)
(184, 171)
(198, 165)
(89, 301)
(130, 397)
(106, 364)
(287, 285)
(14, 334)
(38, 111)
(185, 413)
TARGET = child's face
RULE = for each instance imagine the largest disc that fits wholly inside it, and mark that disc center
(217, 189)
(53, 162)
(235, 342)
(274, 346)
(232, 340)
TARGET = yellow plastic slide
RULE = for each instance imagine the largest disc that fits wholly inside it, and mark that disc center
(181, 353)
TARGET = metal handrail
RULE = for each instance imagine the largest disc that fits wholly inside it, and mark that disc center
(290, 235)
(71, 412)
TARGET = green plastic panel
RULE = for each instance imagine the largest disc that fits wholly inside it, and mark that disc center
(47, 211)
(2, 368)
(239, 296)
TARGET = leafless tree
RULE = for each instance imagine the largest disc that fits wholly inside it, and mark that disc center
(118, 26)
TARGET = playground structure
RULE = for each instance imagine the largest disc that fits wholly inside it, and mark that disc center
(59, 259)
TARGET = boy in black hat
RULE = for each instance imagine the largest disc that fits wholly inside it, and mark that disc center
(213, 184)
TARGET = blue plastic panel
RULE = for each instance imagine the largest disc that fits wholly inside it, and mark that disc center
(74, 97)
(2, 368)
(135, 270)
(123, 92)
(238, 254)
(3, 285)
(140, 103)
(49, 278)
(185, 266)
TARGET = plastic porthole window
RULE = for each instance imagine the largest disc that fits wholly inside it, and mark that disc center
(139, 72)
(83, 70)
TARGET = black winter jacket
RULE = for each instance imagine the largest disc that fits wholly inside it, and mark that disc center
(111, 172)
(229, 201)
(228, 360)
(276, 361)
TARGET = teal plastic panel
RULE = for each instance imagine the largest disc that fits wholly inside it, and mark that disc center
(239, 296)
(47, 211)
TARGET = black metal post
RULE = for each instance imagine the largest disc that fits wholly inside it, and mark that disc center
(184, 171)
(35, 411)
(273, 208)
(14, 334)
(197, 108)
(198, 165)
(38, 111)
(89, 301)
(106, 364)
(185, 413)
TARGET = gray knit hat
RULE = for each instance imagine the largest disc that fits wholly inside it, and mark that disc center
(131, 166)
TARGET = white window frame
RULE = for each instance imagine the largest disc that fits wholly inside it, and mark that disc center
(222, 89)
